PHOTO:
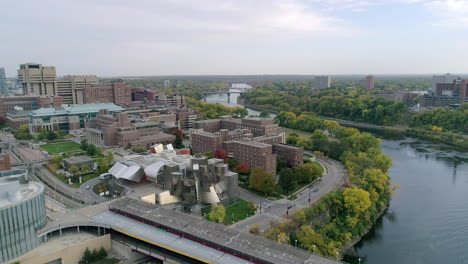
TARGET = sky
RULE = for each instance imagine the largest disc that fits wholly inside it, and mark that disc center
(234, 37)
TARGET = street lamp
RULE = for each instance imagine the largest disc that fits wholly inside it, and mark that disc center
(359, 260)
(314, 248)
(296, 242)
(337, 254)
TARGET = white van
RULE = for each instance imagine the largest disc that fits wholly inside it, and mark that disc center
(105, 176)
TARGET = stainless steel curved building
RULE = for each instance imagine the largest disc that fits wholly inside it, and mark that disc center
(22, 214)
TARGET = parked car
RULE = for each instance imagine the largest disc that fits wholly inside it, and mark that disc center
(105, 176)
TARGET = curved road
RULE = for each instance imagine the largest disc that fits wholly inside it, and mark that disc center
(274, 211)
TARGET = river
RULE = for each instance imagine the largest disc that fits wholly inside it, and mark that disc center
(427, 221)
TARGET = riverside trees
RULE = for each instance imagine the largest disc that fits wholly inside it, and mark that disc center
(339, 217)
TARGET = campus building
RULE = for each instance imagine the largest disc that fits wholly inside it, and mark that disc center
(117, 93)
(116, 130)
(38, 80)
(28, 103)
(68, 117)
(70, 87)
(448, 90)
(22, 214)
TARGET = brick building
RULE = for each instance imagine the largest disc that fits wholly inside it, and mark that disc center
(144, 95)
(5, 162)
(116, 93)
(447, 90)
(242, 144)
(28, 103)
(289, 154)
(111, 130)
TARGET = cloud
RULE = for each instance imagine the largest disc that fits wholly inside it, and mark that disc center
(449, 13)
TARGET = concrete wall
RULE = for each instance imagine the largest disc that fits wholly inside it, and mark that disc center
(70, 255)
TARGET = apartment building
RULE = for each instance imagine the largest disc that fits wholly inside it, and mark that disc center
(70, 87)
(38, 80)
(370, 82)
(257, 126)
(289, 154)
(256, 154)
(446, 93)
(172, 100)
(322, 82)
(3, 82)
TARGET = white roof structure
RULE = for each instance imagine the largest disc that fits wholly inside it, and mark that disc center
(132, 173)
(152, 170)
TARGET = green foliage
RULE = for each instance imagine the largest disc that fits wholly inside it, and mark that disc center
(232, 163)
(447, 119)
(23, 133)
(56, 160)
(262, 181)
(287, 180)
(330, 103)
(74, 169)
(265, 114)
(51, 135)
(85, 168)
(340, 216)
(91, 150)
(217, 213)
(306, 173)
(84, 144)
(95, 255)
(138, 149)
(208, 154)
(64, 147)
(210, 111)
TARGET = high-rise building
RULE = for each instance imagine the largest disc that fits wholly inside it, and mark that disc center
(3, 83)
(37, 79)
(322, 82)
(70, 87)
(116, 93)
(167, 83)
(442, 79)
(370, 81)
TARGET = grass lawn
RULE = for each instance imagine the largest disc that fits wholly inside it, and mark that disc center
(235, 212)
(57, 148)
(301, 134)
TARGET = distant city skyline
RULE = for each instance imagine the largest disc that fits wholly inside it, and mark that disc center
(207, 37)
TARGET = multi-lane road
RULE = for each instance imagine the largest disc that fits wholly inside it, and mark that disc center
(274, 211)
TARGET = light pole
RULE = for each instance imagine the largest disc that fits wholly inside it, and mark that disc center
(337, 254)
(296, 242)
(314, 249)
(359, 260)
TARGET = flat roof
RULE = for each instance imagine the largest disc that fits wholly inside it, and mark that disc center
(76, 109)
(78, 159)
(253, 143)
(13, 192)
(252, 245)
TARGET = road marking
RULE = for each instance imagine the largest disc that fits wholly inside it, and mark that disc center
(274, 217)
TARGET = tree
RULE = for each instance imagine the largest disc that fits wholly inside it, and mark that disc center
(255, 229)
(261, 181)
(91, 150)
(102, 253)
(42, 134)
(74, 169)
(308, 172)
(208, 154)
(109, 157)
(51, 135)
(265, 114)
(287, 181)
(84, 144)
(60, 134)
(217, 213)
(23, 133)
(232, 163)
(239, 112)
(85, 168)
(56, 160)
(252, 205)
(221, 154)
(242, 168)
(103, 164)
(356, 200)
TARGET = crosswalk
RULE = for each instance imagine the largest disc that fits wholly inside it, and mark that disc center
(273, 217)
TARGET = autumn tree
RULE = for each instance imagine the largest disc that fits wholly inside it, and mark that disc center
(242, 168)
(308, 172)
(221, 154)
(217, 213)
(262, 181)
(287, 180)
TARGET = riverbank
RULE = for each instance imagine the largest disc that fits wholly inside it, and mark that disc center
(450, 138)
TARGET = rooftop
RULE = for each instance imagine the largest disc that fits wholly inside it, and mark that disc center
(76, 109)
(78, 159)
(244, 243)
(254, 143)
(15, 190)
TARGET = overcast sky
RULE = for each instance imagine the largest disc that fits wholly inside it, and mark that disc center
(159, 37)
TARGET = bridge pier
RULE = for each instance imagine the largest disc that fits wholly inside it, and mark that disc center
(229, 97)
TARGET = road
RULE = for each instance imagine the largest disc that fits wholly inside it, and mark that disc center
(274, 211)
(89, 192)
